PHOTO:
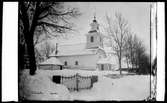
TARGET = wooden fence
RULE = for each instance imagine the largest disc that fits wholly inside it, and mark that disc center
(76, 82)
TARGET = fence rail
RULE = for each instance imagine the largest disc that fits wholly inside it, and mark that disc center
(76, 82)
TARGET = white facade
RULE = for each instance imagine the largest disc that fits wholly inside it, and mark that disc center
(77, 56)
(84, 61)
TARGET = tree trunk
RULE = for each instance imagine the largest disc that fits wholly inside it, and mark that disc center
(31, 53)
(21, 56)
(30, 49)
(127, 62)
(120, 65)
(28, 35)
(30, 42)
(131, 56)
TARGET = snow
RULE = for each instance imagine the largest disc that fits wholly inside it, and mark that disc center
(72, 49)
(106, 60)
(52, 60)
(109, 50)
(125, 87)
(41, 87)
(77, 49)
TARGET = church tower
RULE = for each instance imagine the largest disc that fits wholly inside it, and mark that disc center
(94, 37)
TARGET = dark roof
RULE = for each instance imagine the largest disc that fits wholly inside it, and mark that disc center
(94, 20)
(92, 31)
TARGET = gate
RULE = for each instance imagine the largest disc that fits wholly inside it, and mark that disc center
(78, 82)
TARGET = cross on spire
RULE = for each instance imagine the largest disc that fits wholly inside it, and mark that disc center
(95, 16)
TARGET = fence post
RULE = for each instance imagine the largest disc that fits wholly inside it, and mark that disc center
(61, 79)
(77, 81)
(91, 82)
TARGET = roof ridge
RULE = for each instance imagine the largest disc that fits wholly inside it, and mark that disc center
(71, 44)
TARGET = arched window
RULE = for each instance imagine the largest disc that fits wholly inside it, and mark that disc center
(91, 39)
(102, 67)
(100, 39)
(76, 62)
(65, 63)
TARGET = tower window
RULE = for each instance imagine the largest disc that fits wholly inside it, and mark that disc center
(100, 39)
(91, 39)
(102, 67)
(65, 63)
(76, 62)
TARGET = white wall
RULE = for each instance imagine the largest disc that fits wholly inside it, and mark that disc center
(88, 61)
(85, 61)
(114, 60)
(96, 42)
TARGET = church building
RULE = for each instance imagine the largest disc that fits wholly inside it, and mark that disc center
(90, 55)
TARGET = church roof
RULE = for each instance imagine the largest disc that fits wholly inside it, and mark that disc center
(109, 50)
(78, 49)
(73, 49)
(106, 60)
(51, 61)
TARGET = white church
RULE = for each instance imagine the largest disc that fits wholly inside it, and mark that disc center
(90, 55)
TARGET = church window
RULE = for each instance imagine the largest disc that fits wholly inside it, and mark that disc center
(102, 67)
(91, 39)
(65, 63)
(100, 39)
(76, 62)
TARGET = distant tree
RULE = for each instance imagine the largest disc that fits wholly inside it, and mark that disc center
(142, 60)
(117, 30)
(46, 49)
(144, 65)
(139, 50)
(130, 48)
(51, 17)
(38, 56)
(136, 54)
(40, 35)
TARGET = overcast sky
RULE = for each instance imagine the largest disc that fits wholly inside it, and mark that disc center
(137, 15)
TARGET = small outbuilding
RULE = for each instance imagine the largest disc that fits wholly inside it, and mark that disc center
(51, 64)
(105, 64)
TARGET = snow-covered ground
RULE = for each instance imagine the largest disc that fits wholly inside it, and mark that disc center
(127, 87)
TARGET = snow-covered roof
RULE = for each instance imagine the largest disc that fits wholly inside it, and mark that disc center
(73, 49)
(106, 60)
(78, 49)
(52, 60)
(109, 50)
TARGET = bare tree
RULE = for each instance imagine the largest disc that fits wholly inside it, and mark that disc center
(142, 59)
(46, 49)
(51, 17)
(130, 45)
(117, 30)
(139, 52)
(128, 50)
(38, 56)
(135, 53)
(40, 35)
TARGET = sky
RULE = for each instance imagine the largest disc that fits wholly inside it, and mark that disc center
(137, 15)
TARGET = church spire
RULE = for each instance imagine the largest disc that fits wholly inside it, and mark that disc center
(94, 25)
(94, 38)
(94, 17)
